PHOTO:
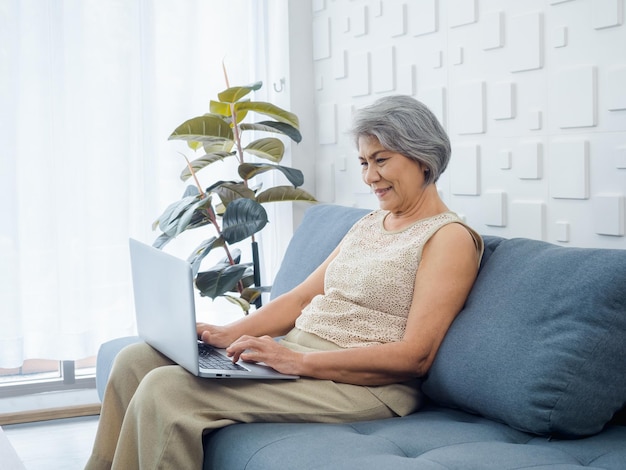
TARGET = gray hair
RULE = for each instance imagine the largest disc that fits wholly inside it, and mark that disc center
(406, 126)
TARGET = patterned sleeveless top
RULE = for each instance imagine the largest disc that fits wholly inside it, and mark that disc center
(368, 287)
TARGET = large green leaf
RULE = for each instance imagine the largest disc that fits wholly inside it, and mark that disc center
(248, 170)
(235, 93)
(168, 221)
(219, 280)
(197, 255)
(268, 109)
(188, 214)
(161, 241)
(220, 146)
(284, 193)
(242, 219)
(224, 109)
(269, 148)
(228, 192)
(204, 161)
(273, 126)
(207, 128)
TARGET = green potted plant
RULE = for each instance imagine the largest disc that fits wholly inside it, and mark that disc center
(233, 209)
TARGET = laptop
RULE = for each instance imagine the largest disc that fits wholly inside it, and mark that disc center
(166, 317)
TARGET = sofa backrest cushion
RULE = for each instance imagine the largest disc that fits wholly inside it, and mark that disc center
(322, 228)
(541, 342)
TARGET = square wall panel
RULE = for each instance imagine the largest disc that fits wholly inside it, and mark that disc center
(461, 12)
(327, 123)
(494, 208)
(422, 17)
(359, 74)
(383, 69)
(569, 170)
(358, 21)
(525, 36)
(465, 170)
(492, 30)
(502, 102)
(528, 219)
(406, 79)
(606, 13)
(528, 161)
(468, 107)
(321, 38)
(576, 90)
(435, 99)
(395, 17)
(608, 214)
(615, 89)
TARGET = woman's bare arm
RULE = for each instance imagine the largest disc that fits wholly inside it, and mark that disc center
(275, 318)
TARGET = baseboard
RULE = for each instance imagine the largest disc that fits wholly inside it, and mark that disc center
(49, 413)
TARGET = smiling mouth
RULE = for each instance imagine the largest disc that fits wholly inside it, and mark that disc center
(380, 192)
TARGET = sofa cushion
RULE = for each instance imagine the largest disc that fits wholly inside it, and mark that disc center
(541, 342)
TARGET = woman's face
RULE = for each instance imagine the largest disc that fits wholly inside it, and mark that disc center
(396, 180)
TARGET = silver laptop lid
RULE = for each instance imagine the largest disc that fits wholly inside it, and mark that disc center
(164, 303)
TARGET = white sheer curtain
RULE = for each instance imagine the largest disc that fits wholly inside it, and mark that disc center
(89, 92)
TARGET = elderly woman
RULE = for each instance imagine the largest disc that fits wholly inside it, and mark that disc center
(360, 330)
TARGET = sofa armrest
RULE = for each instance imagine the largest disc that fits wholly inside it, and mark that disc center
(106, 356)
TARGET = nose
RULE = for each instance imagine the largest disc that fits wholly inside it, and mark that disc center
(370, 175)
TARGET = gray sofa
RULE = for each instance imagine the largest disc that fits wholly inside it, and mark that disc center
(532, 373)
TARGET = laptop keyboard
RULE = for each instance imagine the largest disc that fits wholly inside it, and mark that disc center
(211, 359)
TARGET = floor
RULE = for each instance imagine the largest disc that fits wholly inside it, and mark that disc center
(63, 444)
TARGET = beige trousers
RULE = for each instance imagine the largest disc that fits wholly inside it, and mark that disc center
(154, 413)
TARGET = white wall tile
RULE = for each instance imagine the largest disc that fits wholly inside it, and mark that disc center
(321, 37)
(562, 230)
(327, 123)
(559, 36)
(528, 219)
(494, 205)
(525, 39)
(340, 65)
(435, 99)
(395, 18)
(608, 214)
(569, 170)
(468, 107)
(461, 12)
(359, 74)
(502, 100)
(575, 92)
(492, 24)
(504, 159)
(383, 69)
(528, 161)
(422, 17)
(407, 76)
(616, 89)
(359, 20)
(465, 168)
(606, 13)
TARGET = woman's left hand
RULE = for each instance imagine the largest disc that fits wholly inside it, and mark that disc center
(265, 349)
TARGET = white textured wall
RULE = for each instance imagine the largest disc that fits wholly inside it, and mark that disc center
(532, 93)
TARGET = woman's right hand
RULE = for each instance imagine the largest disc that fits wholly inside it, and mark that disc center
(214, 335)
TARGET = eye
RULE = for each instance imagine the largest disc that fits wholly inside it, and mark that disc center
(380, 161)
(363, 163)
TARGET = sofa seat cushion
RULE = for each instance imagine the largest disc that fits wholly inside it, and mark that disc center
(541, 342)
(434, 438)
